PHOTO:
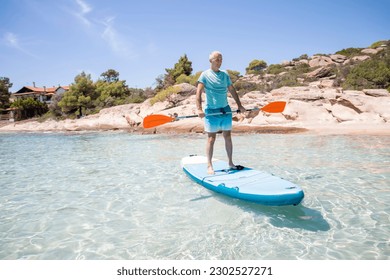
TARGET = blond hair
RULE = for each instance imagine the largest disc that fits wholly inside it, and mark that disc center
(214, 54)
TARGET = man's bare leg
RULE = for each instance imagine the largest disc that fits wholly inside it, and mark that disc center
(227, 135)
(209, 151)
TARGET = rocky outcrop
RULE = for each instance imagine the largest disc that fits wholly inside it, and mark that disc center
(320, 61)
(321, 72)
(316, 105)
(308, 108)
(333, 59)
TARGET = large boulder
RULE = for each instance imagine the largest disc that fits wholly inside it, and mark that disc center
(321, 72)
(320, 60)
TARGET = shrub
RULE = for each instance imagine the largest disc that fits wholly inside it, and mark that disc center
(304, 56)
(275, 69)
(286, 80)
(350, 52)
(183, 78)
(256, 66)
(191, 79)
(30, 107)
(243, 87)
(378, 44)
(164, 94)
(368, 74)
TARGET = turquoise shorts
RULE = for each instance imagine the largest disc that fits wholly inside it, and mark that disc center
(222, 122)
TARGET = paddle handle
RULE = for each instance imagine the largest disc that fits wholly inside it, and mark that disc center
(215, 114)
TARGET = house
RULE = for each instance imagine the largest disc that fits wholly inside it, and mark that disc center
(42, 94)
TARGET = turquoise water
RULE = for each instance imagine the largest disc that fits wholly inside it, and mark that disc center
(122, 196)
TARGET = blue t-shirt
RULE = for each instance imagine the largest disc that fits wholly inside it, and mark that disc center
(216, 87)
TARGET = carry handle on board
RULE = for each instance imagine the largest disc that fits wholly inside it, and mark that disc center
(156, 120)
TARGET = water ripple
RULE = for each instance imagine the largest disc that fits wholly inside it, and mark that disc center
(121, 196)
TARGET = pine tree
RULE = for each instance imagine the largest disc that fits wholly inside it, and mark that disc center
(183, 66)
(5, 85)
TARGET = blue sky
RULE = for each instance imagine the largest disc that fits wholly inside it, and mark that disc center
(50, 42)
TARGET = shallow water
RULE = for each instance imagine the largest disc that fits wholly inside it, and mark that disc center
(123, 196)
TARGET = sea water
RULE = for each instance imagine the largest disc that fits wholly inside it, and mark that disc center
(122, 196)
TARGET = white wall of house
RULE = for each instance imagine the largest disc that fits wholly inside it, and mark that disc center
(60, 90)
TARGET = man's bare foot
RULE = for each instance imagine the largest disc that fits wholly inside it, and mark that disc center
(236, 167)
(210, 170)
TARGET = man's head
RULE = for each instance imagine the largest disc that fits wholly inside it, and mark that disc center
(215, 60)
(215, 55)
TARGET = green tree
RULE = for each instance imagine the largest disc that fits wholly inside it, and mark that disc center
(30, 107)
(109, 93)
(256, 66)
(5, 85)
(182, 67)
(80, 94)
(69, 102)
(110, 76)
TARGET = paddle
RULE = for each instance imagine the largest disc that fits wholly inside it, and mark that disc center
(156, 120)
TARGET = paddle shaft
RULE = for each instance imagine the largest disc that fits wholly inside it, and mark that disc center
(156, 120)
(215, 114)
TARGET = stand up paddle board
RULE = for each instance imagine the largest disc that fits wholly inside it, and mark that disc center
(247, 184)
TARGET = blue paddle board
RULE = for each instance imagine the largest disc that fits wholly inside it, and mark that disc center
(246, 184)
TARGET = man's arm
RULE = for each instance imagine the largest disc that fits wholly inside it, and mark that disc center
(199, 91)
(236, 98)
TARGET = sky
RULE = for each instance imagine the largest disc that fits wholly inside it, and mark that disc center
(51, 42)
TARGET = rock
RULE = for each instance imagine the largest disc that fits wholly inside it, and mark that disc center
(376, 92)
(345, 102)
(320, 61)
(357, 58)
(286, 63)
(307, 113)
(370, 51)
(318, 106)
(338, 58)
(360, 58)
(343, 113)
(185, 90)
(326, 83)
(302, 61)
(257, 79)
(319, 73)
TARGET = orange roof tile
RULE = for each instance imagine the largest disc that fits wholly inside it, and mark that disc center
(42, 89)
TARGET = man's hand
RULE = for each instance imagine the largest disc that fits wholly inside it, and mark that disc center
(201, 114)
(243, 111)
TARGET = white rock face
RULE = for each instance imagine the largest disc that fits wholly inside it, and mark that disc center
(308, 107)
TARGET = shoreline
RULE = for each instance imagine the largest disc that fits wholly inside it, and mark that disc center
(310, 110)
(33, 126)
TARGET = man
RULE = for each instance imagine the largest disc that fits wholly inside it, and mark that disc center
(216, 83)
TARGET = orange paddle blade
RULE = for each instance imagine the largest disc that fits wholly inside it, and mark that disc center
(274, 107)
(156, 120)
